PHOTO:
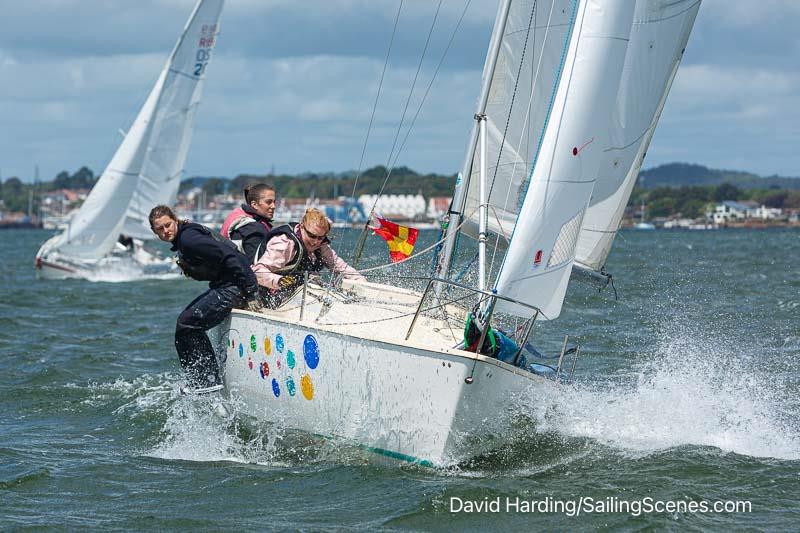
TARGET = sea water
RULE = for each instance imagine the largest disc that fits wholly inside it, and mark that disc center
(685, 393)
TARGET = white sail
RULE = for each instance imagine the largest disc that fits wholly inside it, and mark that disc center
(146, 167)
(658, 37)
(173, 121)
(520, 92)
(96, 226)
(542, 249)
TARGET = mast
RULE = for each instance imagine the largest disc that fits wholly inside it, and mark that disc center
(462, 183)
(484, 208)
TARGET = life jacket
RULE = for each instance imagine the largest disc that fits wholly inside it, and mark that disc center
(299, 263)
(195, 267)
(235, 220)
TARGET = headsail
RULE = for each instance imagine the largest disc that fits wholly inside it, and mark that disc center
(537, 265)
(146, 167)
(658, 37)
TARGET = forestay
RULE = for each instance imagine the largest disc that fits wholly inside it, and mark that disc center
(145, 169)
(542, 249)
(658, 37)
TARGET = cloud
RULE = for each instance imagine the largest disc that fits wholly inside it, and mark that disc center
(293, 84)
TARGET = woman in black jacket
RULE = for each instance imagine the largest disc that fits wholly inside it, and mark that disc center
(205, 256)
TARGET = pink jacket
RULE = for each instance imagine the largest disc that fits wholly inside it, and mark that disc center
(279, 252)
(234, 216)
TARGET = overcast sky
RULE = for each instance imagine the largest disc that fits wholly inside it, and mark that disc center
(292, 84)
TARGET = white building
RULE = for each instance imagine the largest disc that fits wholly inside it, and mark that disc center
(765, 213)
(729, 210)
(395, 206)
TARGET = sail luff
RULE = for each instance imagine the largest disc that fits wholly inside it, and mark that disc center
(659, 34)
(539, 259)
(462, 182)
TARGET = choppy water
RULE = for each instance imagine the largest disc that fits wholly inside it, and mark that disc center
(687, 390)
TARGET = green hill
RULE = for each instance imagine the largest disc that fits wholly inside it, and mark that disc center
(685, 174)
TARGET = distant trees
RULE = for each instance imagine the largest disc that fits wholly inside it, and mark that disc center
(726, 191)
(82, 179)
(694, 201)
(403, 180)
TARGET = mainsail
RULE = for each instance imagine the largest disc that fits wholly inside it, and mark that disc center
(145, 169)
(521, 91)
(658, 38)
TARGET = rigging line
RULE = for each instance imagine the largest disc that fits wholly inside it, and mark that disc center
(389, 167)
(513, 95)
(377, 97)
(362, 238)
(396, 317)
(414, 84)
(534, 78)
(430, 84)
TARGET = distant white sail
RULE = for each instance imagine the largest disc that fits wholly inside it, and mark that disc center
(146, 168)
(537, 265)
(171, 134)
(658, 37)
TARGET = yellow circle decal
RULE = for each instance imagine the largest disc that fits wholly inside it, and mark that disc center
(267, 346)
(307, 387)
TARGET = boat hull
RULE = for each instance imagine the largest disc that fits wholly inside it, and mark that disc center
(403, 401)
(116, 267)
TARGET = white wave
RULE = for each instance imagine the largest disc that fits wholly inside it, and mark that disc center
(196, 430)
(692, 391)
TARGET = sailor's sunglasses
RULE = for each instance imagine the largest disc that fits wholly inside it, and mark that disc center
(312, 236)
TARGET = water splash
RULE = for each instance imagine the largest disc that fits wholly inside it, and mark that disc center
(695, 388)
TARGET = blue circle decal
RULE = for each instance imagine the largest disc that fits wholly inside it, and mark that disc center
(311, 351)
(290, 386)
(276, 389)
(279, 343)
(241, 350)
(290, 359)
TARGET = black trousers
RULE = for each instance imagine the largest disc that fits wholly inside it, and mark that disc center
(194, 349)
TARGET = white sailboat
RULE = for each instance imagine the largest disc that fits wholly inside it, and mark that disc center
(145, 170)
(384, 367)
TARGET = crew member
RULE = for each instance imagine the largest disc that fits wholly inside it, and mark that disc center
(294, 249)
(205, 256)
(247, 226)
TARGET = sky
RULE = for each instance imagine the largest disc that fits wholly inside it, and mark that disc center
(292, 84)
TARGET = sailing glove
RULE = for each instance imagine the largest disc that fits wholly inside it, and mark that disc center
(286, 282)
(254, 305)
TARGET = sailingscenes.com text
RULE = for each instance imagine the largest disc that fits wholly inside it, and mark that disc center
(590, 505)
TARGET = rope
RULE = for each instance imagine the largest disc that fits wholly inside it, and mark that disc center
(377, 96)
(413, 121)
(508, 122)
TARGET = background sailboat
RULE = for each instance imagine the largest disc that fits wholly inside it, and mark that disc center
(144, 171)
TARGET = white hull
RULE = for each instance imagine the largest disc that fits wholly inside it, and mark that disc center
(406, 400)
(122, 266)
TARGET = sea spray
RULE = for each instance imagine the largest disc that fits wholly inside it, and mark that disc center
(693, 388)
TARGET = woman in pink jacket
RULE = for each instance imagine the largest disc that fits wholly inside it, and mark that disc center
(294, 249)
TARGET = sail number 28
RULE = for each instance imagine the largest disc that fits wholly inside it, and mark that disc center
(208, 37)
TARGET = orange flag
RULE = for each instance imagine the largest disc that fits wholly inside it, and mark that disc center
(400, 239)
